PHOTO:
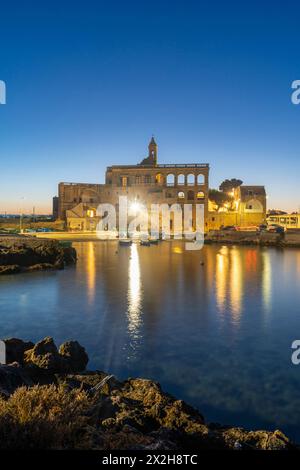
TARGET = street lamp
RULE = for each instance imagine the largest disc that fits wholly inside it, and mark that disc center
(21, 215)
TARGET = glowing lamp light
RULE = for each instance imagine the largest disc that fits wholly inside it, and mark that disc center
(135, 207)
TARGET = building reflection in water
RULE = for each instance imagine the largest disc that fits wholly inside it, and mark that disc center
(236, 283)
(266, 280)
(91, 272)
(229, 281)
(134, 297)
(221, 276)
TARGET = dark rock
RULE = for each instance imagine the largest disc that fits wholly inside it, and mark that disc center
(40, 267)
(75, 356)
(166, 434)
(106, 409)
(130, 429)
(70, 255)
(15, 349)
(23, 254)
(11, 378)
(44, 355)
(10, 269)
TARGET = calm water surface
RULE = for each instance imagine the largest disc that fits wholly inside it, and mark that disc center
(216, 334)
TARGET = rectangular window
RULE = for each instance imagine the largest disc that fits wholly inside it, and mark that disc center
(124, 181)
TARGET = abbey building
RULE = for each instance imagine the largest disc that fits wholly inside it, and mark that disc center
(150, 182)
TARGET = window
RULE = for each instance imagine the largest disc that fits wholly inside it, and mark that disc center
(147, 179)
(191, 180)
(250, 192)
(138, 180)
(200, 180)
(159, 179)
(124, 181)
(180, 180)
(200, 195)
(190, 195)
(170, 180)
(254, 205)
(181, 195)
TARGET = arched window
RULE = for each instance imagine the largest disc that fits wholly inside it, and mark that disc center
(181, 195)
(200, 179)
(170, 180)
(200, 195)
(191, 180)
(190, 195)
(159, 179)
(180, 180)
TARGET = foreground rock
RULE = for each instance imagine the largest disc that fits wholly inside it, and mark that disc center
(20, 254)
(83, 409)
(44, 357)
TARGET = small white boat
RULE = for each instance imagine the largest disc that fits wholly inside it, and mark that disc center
(125, 241)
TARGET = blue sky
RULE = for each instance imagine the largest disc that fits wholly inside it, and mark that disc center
(88, 83)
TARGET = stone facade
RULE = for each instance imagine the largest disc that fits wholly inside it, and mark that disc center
(250, 209)
(146, 183)
(82, 217)
(152, 183)
(71, 194)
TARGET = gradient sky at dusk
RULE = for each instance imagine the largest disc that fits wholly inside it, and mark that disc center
(88, 83)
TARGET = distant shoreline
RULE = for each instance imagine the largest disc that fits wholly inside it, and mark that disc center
(246, 238)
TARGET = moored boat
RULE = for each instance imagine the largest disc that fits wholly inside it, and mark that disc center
(125, 241)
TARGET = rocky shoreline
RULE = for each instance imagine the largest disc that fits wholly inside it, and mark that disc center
(24, 254)
(48, 400)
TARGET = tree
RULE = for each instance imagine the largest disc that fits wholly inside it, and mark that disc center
(228, 185)
(219, 198)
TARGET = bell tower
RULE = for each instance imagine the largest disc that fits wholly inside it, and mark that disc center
(151, 160)
(153, 151)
